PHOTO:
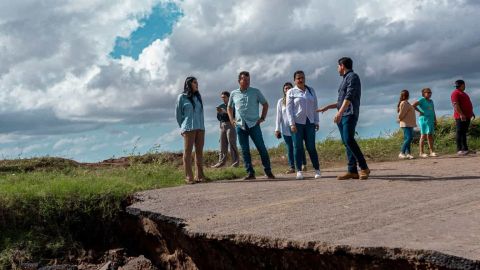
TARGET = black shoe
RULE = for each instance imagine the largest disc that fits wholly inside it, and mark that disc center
(270, 175)
(249, 177)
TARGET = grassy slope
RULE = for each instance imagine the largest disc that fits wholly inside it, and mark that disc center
(48, 204)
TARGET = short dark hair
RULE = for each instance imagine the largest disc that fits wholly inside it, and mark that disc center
(459, 83)
(298, 72)
(244, 73)
(287, 83)
(226, 93)
(346, 62)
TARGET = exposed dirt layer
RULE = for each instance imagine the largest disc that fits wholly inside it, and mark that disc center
(420, 214)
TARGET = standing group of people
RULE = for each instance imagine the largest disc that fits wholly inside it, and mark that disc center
(463, 113)
(297, 120)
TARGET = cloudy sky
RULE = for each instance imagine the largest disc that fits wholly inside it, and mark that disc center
(92, 79)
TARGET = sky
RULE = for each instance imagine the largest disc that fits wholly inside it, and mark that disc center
(90, 80)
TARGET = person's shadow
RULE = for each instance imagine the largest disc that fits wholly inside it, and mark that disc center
(413, 177)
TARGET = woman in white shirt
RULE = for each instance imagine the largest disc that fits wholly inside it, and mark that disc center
(303, 120)
(282, 127)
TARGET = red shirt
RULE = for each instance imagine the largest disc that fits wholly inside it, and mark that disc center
(465, 103)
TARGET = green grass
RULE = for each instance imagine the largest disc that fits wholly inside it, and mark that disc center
(49, 206)
(44, 212)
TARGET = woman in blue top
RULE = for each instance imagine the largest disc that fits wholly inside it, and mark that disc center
(282, 127)
(427, 120)
(189, 114)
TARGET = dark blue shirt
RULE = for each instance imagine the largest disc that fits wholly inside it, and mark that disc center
(223, 116)
(351, 90)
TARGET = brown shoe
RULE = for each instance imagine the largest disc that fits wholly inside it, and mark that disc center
(348, 176)
(249, 177)
(270, 175)
(364, 174)
(189, 181)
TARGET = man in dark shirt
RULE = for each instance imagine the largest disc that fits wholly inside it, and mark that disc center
(228, 135)
(463, 113)
(348, 106)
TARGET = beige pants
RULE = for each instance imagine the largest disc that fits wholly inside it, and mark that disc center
(193, 138)
(228, 137)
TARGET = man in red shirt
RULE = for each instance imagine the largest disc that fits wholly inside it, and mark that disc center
(463, 113)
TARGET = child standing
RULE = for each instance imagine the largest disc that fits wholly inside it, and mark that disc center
(407, 120)
(427, 121)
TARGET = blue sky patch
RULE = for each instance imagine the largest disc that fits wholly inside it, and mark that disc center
(157, 25)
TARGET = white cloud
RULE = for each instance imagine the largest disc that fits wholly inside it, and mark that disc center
(55, 61)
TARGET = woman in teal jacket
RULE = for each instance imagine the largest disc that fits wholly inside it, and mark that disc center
(189, 114)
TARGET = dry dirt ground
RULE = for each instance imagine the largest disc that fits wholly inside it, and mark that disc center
(424, 204)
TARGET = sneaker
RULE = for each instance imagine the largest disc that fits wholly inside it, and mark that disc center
(270, 175)
(433, 154)
(218, 165)
(402, 156)
(304, 168)
(364, 174)
(462, 153)
(249, 177)
(289, 171)
(318, 175)
(410, 156)
(423, 155)
(299, 176)
(348, 176)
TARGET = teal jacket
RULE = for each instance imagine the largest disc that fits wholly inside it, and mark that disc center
(189, 118)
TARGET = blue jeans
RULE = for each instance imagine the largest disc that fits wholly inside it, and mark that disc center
(305, 133)
(290, 155)
(347, 130)
(256, 134)
(407, 139)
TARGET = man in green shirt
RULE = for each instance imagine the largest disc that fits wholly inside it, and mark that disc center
(246, 101)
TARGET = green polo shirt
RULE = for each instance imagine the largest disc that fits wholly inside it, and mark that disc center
(246, 104)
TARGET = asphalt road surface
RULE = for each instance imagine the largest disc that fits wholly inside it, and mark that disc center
(426, 204)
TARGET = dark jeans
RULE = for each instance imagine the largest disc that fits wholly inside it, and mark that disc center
(305, 133)
(462, 129)
(256, 134)
(347, 130)
(290, 154)
(407, 140)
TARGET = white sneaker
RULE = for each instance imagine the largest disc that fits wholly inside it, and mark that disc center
(410, 156)
(318, 175)
(462, 153)
(433, 154)
(423, 155)
(402, 156)
(299, 175)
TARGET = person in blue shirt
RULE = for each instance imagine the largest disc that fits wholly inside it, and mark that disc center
(303, 121)
(348, 106)
(427, 121)
(246, 100)
(189, 115)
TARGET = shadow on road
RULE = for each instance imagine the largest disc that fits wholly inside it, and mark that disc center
(407, 177)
